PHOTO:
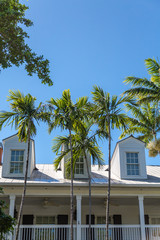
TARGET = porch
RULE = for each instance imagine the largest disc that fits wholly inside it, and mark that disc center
(57, 232)
(47, 218)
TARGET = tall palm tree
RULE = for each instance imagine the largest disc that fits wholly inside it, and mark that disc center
(107, 113)
(84, 142)
(23, 116)
(67, 115)
(146, 90)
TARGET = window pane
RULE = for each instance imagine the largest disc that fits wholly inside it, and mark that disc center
(51, 220)
(45, 220)
(38, 220)
(81, 160)
(79, 167)
(13, 153)
(132, 164)
(136, 160)
(128, 155)
(128, 160)
(16, 165)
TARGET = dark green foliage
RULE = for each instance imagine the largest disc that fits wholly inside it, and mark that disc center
(23, 114)
(108, 107)
(66, 114)
(84, 142)
(143, 89)
(6, 222)
(145, 121)
(13, 47)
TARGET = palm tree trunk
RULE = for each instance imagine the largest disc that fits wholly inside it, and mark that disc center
(71, 213)
(25, 185)
(109, 180)
(90, 206)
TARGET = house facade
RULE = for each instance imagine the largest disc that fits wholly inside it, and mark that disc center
(135, 195)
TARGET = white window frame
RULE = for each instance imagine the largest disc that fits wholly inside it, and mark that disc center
(79, 163)
(18, 163)
(104, 219)
(44, 217)
(155, 220)
(133, 164)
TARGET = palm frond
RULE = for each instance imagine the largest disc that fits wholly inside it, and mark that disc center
(23, 115)
(58, 142)
(152, 66)
(143, 82)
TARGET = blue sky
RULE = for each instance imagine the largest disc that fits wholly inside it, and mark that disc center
(88, 42)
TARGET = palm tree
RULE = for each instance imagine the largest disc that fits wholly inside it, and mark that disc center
(107, 113)
(83, 142)
(146, 90)
(145, 121)
(23, 115)
(67, 115)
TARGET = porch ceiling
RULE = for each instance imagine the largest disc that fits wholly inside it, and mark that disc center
(58, 201)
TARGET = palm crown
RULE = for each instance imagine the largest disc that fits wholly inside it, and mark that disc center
(107, 109)
(66, 114)
(83, 141)
(146, 122)
(23, 114)
(144, 89)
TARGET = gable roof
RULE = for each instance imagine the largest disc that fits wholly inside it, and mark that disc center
(16, 134)
(131, 136)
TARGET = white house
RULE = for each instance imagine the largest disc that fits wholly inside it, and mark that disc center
(135, 195)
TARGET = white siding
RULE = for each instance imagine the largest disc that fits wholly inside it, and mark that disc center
(80, 176)
(118, 162)
(132, 145)
(115, 162)
(13, 143)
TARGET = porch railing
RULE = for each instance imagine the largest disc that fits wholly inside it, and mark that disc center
(62, 232)
(45, 232)
(116, 232)
(152, 232)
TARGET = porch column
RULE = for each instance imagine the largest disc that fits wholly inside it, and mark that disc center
(79, 198)
(141, 214)
(11, 205)
(11, 210)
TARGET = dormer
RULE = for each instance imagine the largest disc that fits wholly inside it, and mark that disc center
(14, 157)
(80, 170)
(128, 160)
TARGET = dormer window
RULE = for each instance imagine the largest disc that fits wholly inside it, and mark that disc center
(79, 167)
(132, 164)
(17, 160)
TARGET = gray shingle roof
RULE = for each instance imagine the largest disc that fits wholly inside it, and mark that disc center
(45, 174)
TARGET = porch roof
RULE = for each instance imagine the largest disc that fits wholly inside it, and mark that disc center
(45, 174)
